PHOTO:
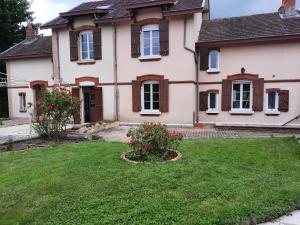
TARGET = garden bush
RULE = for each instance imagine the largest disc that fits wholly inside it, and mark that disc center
(153, 141)
(56, 107)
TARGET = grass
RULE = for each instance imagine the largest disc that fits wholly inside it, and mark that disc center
(217, 182)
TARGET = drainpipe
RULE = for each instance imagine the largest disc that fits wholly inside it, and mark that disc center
(58, 58)
(116, 91)
(196, 60)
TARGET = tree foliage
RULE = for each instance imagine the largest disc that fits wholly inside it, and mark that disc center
(12, 14)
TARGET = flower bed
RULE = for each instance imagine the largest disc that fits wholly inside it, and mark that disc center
(153, 142)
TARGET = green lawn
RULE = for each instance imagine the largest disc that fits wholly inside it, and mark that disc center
(218, 181)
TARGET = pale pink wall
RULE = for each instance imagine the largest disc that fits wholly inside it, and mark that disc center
(178, 66)
(181, 106)
(281, 60)
(271, 62)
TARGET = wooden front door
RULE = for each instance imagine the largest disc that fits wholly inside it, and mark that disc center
(93, 107)
(38, 98)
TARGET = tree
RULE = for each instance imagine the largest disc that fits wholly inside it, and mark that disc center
(12, 14)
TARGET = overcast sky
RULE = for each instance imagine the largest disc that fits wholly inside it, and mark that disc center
(45, 10)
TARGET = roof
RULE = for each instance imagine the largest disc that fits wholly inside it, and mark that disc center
(248, 28)
(29, 48)
(118, 9)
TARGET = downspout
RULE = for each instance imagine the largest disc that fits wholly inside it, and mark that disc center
(196, 60)
(116, 91)
(58, 58)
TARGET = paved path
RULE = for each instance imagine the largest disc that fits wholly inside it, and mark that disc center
(15, 122)
(293, 219)
(16, 133)
(119, 133)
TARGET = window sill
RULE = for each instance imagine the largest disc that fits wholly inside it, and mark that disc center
(212, 112)
(274, 113)
(150, 113)
(212, 71)
(86, 62)
(241, 112)
(150, 58)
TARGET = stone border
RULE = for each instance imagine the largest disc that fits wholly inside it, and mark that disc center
(179, 156)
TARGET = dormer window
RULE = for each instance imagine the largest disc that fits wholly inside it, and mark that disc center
(213, 61)
(150, 44)
(86, 45)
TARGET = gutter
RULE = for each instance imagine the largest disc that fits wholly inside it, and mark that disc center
(196, 60)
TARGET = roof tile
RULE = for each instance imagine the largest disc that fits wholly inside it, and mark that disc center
(248, 27)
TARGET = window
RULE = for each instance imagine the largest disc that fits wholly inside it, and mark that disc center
(22, 102)
(212, 102)
(272, 103)
(242, 96)
(150, 96)
(87, 45)
(150, 41)
(213, 61)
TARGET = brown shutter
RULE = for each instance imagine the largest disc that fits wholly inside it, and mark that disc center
(258, 95)
(204, 59)
(203, 101)
(99, 104)
(135, 40)
(73, 45)
(75, 93)
(136, 96)
(164, 37)
(164, 96)
(226, 95)
(283, 101)
(97, 43)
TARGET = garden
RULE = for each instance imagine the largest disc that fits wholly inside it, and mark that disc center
(216, 182)
(156, 178)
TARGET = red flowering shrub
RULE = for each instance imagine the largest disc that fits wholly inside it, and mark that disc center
(56, 108)
(152, 139)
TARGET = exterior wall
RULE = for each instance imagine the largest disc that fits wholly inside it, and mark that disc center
(103, 69)
(276, 63)
(20, 73)
(178, 66)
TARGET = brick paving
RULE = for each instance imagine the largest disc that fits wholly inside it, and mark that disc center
(228, 133)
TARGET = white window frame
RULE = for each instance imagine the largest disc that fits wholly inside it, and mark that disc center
(216, 109)
(242, 110)
(149, 111)
(151, 28)
(276, 110)
(210, 69)
(23, 103)
(90, 58)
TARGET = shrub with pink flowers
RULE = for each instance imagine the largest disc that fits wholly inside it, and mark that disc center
(56, 109)
(152, 142)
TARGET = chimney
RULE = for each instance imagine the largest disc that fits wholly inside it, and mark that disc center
(30, 31)
(288, 8)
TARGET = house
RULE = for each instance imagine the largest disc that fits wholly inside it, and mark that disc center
(163, 61)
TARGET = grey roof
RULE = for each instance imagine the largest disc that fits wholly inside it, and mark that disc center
(248, 27)
(29, 48)
(117, 9)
